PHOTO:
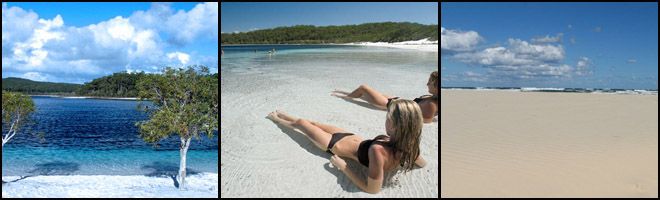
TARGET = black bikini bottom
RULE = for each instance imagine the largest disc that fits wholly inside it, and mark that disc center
(335, 138)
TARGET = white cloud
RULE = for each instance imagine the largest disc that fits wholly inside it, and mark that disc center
(523, 60)
(16, 30)
(583, 66)
(52, 49)
(31, 52)
(145, 43)
(120, 28)
(632, 61)
(518, 53)
(182, 57)
(184, 27)
(451, 40)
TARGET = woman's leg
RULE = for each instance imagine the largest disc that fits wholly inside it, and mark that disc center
(325, 127)
(370, 95)
(319, 137)
(316, 134)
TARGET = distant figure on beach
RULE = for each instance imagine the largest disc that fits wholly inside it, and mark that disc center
(428, 103)
(222, 51)
(398, 149)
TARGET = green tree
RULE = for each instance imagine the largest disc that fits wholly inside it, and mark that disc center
(16, 108)
(119, 84)
(185, 104)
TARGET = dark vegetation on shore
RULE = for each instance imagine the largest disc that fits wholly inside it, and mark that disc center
(120, 84)
(307, 34)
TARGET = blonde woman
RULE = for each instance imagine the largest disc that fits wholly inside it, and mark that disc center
(399, 148)
(428, 103)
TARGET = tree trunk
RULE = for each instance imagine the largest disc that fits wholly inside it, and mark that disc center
(183, 150)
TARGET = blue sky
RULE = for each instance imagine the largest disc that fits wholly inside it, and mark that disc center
(243, 17)
(77, 42)
(586, 45)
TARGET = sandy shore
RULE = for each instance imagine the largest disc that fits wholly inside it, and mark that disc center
(89, 97)
(261, 159)
(203, 185)
(421, 45)
(530, 144)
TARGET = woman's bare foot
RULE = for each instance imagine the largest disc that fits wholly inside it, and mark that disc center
(274, 116)
(341, 94)
(285, 116)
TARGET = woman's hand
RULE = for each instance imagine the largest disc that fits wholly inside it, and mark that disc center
(338, 162)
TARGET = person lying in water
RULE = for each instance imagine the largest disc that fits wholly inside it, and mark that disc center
(384, 153)
(428, 103)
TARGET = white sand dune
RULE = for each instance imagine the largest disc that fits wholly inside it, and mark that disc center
(203, 185)
(530, 144)
(260, 159)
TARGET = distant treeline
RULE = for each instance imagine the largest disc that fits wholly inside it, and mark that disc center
(34, 87)
(307, 34)
(121, 84)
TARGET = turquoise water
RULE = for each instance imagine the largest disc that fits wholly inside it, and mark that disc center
(315, 59)
(97, 137)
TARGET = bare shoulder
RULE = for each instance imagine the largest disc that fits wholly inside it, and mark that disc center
(378, 152)
(429, 109)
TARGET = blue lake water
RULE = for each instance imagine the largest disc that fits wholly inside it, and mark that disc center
(97, 137)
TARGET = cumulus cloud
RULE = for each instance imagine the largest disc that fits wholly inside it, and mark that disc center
(453, 40)
(520, 58)
(48, 48)
(185, 27)
(182, 57)
(523, 60)
(31, 52)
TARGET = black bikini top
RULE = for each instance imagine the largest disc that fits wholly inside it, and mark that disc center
(421, 98)
(363, 149)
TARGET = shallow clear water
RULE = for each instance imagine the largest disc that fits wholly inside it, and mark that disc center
(320, 57)
(97, 137)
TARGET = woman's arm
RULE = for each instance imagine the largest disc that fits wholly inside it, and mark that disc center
(428, 112)
(375, 177)
(420, 162)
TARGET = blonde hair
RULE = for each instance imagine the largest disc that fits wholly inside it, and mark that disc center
(406, 118)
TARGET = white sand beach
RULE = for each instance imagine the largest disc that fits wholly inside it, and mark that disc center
(421, 45)
(532, 144)
(203, 185)
(261, 159)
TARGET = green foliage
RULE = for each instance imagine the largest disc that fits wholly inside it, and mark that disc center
(185, 103)
(119, 84)
(34, 87)
(16, 108)
(305, 34)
